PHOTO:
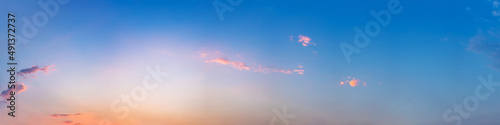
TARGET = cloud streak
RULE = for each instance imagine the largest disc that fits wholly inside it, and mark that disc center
(299, 71)
(223, 61)
(275, 69)
(64, 115)
(67, 122)
(244, 66)
(67, 115)
(34, 69)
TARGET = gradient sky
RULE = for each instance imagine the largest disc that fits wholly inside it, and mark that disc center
(263, 55)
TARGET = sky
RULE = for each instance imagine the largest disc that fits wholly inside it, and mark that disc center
(259, 62)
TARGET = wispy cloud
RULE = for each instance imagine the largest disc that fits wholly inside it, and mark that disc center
(60, 115)
(268, 69)
(64, 115)
(299, 71)
(257, 68)
(488, 44)
(70, 121)
(223, 61)
(67, 122)
(34, 69)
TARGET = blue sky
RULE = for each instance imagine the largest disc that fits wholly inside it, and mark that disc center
(236, 70)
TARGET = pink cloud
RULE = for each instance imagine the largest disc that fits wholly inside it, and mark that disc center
(68, 122)
(353, 82)
(64, 115)
(244, 66)
(301, 72)
(223, 61)
(20, 87)
(34, 69)
(275, 69)
(60, 115)
(305, 40)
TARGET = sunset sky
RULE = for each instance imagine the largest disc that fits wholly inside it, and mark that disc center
(263, 56)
